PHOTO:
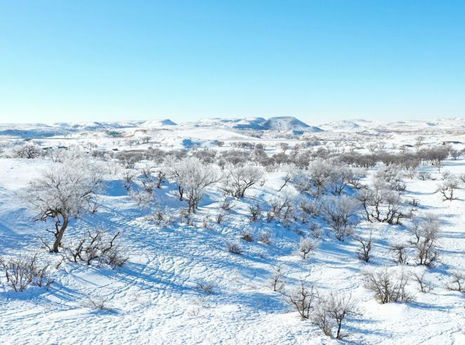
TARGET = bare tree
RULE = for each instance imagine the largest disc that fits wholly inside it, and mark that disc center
(67, 190)
(423, 284)
(287, 178)
(340, 177)
(457, 282)
(128, 177)
(364, 251)
(320, 171)
(437, 155)
(354, 178)
(303, 300)
(455, 154)
(400, 253)
(282, 207)
(302, 181)
(315, 180)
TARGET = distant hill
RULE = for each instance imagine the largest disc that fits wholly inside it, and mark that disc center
(158, 123)
(288, 123)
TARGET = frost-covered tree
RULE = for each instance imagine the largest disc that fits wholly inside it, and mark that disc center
(323, 177)
(320, 171)
(381, 204)
(29, 151)
(448, 186)
(340, 177)
(331, 313)
(426, 234)
(302, 181)
(240, 178)
(64, 191)
(390, 177)
(306, 247)
(341, 214)
(193, 178)
(315, 179)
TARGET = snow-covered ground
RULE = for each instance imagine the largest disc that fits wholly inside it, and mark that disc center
(155, 297)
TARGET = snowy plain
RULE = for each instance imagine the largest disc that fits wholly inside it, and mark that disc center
(155, 299)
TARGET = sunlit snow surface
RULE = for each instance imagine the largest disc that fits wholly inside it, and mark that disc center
(154, 298)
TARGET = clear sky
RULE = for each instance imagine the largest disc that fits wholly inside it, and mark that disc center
(98, 60)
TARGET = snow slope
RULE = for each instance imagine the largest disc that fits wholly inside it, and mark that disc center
(155, 299)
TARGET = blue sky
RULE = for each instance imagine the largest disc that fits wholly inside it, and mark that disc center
(317, 60)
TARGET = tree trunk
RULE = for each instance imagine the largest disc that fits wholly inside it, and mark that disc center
(59, 235)
(338, 334)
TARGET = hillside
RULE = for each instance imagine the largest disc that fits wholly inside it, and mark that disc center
(226, 269)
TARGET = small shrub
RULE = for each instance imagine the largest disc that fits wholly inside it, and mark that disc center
(388, 288)
(219, 218)
(264, 237)
(277, 280)
(100, 248)
(424, 175)
(423, 284)
(310, 207)
(234, 247)
(20, 273)
(97, 303)
(315, 229)
(364, 251)
(255, 212)
(206, 287)
(226, 205)
(143, 199)
(247, 236)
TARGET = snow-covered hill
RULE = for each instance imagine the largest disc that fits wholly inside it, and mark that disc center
(273, 125)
